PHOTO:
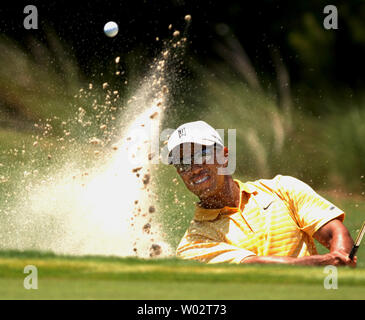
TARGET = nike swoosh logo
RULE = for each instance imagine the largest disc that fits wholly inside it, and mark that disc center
(268, 205)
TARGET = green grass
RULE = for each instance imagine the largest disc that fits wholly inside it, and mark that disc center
(65, 277)
(145, 290)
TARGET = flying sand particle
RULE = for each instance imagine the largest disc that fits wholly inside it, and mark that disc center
(146, 179)
(94, 141)
(156, 250)
(147, 228)
(154, 115)
(165, 89)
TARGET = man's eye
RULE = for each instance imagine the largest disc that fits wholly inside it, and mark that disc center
(200, 154)
(207, 151)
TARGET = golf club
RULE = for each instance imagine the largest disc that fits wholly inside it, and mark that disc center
(357, 242)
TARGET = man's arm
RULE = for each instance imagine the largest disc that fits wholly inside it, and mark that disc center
(333, 235)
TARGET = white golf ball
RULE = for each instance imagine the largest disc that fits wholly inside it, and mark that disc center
(111, 29)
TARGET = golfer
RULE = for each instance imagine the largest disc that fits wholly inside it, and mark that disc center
(264, 221)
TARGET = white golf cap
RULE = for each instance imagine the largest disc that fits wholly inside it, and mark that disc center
(198, 132)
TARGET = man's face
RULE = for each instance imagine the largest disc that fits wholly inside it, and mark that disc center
(201, 178)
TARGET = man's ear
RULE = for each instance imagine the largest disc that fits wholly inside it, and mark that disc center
(228, 163)
(225, 150)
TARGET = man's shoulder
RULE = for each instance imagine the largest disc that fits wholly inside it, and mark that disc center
(276, 178)
(273, 182)
(277, 184)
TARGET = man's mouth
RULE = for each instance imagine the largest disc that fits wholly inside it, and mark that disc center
(201, 180)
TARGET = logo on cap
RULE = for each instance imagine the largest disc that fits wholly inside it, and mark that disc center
(181, 132)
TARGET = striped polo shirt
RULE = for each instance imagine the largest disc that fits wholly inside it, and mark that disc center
(275, 217)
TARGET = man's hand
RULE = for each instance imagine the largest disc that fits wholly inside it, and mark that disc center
(338, 258)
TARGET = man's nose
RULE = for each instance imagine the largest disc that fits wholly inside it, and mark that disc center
(196, 168)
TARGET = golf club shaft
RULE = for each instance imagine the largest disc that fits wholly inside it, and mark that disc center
(357, 242)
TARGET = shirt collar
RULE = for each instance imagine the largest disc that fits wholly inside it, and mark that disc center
(203, 214)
